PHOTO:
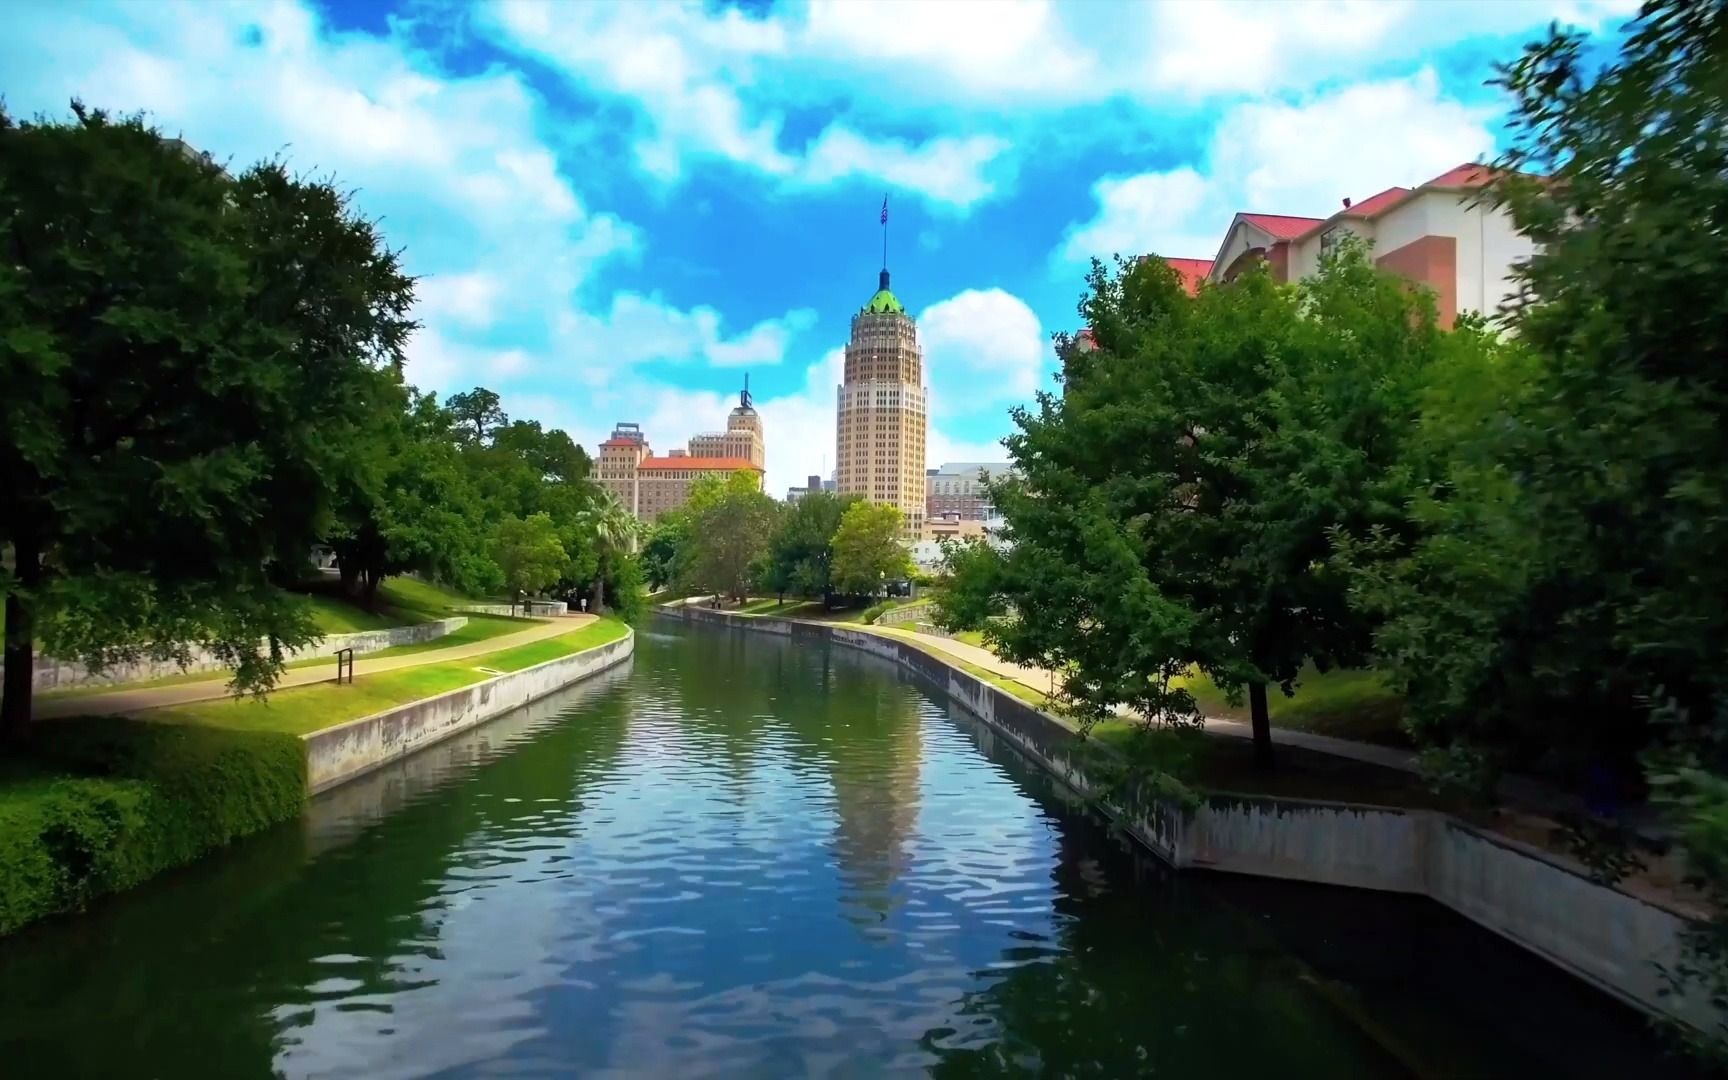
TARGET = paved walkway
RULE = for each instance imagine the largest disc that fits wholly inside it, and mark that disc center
(1519, 790)
(139, 698)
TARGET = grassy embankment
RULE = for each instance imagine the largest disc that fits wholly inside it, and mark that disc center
(302, 709)
(406, 598)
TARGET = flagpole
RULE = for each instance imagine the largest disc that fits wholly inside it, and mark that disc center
(884, 232)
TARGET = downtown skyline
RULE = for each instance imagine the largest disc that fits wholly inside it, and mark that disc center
(616, 210)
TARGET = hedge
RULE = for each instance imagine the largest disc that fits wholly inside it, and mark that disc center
(102, 804)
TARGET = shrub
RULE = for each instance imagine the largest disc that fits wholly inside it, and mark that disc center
(877, 610)
(114, 802)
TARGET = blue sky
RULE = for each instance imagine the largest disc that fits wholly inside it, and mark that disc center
(618, 209)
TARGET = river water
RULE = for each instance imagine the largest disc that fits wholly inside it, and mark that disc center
(738, 856)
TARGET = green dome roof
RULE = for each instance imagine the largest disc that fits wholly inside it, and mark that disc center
(884, 302)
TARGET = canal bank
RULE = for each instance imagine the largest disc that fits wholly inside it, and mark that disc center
(1618, 942)
(105, 803)
(742, 856)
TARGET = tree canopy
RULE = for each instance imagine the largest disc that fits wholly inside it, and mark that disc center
(867, 550)
(731, 519)
(1173, 505)
(186, 356)
(203, 376)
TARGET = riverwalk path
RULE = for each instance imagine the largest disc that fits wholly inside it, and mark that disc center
(1522, 791)
(124, 700)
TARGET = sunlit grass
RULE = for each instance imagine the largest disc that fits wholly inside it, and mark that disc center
(302, 709)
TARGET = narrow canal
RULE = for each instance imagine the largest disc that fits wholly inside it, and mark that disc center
(742, 857)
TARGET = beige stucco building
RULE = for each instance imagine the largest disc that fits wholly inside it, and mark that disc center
(882, 417)
(649, 486)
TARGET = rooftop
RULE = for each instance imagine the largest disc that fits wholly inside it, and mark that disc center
(884, 302)
(712, 464)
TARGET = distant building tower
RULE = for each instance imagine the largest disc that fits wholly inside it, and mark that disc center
(742, 437)
(616, 468)
(882, 416)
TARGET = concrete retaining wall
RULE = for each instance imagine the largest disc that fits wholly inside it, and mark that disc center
(52, 674)
(1532, 897)
(535, 607)
(349, 750)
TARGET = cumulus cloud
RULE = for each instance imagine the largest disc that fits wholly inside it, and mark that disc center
(1299, 156)
(982, 347)
(689, 73)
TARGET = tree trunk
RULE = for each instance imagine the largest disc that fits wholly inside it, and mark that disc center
(370, 582)
(350, 574)
(599, 596)
(20, 649)
(1262, 718)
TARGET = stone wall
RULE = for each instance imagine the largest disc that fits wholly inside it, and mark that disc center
(550, 608)
(348, 750)
(1600, 933)
(53, 674)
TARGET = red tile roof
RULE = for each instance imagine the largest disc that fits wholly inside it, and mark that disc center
(1373, 204)
(1465, 176)
(715, 464)
(1085, 341)
(1191, 271)
(1282, 226)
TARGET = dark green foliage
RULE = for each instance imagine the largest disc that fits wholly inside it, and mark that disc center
(800, 555)
(1173, 505)
(731, 520)
(186, 355)
(666, 544)
(114, 802)
(867, 549)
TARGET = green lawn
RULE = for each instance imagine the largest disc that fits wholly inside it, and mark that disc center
(479, 628)
(1347, 704)
(401, 601)
(302, 709)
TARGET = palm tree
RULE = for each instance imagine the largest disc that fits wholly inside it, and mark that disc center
(613, 531)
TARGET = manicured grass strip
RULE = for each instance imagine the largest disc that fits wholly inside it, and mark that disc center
(479, 628)
(538, 652)
(303, 709)
(1036, 698)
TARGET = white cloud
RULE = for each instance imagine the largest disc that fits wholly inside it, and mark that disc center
(689, 73)
(981, 347)
(638, 329)
(1300, 156)
(456, 165)
(709, 82)
(1151, 212)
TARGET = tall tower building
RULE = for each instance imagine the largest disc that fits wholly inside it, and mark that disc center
(742, 437)
(882, 414)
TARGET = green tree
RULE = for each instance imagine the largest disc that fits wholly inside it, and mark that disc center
(185, 356)
(1174, 503)
(801, 551)
(664, 548)
(528, 553)
(612, 530)
(477, 413)
(730, 522)
(405, 504)
(867, 549)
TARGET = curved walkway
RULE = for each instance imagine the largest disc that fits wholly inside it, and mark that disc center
(1519, 790)
(141, 698)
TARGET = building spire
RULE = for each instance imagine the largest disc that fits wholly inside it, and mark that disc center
(744, 395)
(884, 278)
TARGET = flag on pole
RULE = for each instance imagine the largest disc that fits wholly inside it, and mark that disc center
(884, 209)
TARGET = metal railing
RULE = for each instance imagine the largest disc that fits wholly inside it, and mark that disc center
(345, 665)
